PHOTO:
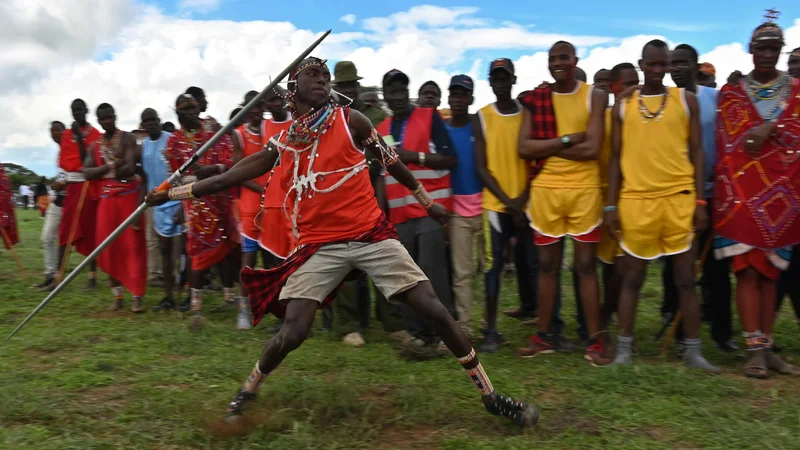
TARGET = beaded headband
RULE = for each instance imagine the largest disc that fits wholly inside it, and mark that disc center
(185, 99)
(309, 62)
(769, 32)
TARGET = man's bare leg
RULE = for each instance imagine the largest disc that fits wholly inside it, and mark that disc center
(683, 266)
(116, 295)
(549, 264)
(300, 314)
(586, 268)
(422, 299)
(632, 281)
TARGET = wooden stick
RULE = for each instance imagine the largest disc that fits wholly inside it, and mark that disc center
(73, 229)
(7, 240)
(677, 320)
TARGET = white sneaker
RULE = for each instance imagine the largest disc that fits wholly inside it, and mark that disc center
(354, 339)
(244, 320)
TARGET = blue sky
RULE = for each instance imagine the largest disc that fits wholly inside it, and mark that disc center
(707, 23)
(141, 57)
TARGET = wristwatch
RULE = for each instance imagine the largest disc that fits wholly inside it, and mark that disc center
(566, 141)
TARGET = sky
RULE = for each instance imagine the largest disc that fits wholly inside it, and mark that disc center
(137, 54)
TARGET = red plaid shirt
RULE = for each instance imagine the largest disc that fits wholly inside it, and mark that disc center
(543, 119)
(264, 286)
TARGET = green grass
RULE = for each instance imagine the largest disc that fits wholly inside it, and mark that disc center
(75, 378)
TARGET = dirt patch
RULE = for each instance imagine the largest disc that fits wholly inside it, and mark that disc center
(111, 314)
(669, 435)
(37, 359)
(12, 318)
(174, 387)
(559, 422)
(113, 394)
(407, 437)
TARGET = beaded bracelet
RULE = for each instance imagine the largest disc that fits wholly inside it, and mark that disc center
(423, 197)
(701, 203)
(609, 208)
(181, 192)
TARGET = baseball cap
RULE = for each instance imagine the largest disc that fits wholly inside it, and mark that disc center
(394, 74)
(502, 63)
(463, 81)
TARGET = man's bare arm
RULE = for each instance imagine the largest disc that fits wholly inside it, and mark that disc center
(696, 145)
(90, 172)
(125, 167)
(615, 170)
(248, 168)
(531, 149)
(590, 148)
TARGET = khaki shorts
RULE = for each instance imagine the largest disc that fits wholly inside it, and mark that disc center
(387, 262)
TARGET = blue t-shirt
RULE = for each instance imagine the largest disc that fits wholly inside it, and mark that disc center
(464, 177)
(153, 160)
(707, 102)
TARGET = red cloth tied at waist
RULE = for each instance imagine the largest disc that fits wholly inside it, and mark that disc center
(264, 286)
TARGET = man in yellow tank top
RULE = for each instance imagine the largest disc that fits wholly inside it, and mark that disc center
(566, 199)
(621, 77)
(504, 176)
(654, 186)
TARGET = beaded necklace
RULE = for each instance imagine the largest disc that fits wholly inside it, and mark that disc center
(108, 147)
(309, 127)
(647, 114)
(777, 91)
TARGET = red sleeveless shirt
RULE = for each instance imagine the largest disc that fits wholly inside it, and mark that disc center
(348, 208)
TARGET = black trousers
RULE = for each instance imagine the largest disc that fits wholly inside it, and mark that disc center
(789, 283)
(715, 288)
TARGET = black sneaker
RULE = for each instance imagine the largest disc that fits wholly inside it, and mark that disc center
(236, 407)
(518, 412)
(562, 344)
(47, 281)
(166, 304)
(490, 343)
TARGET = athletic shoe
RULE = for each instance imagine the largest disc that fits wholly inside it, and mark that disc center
(354, 339)
(596, 354)
(137, 306)
(47, 281)
(562, 344)
(166, 304)
(537, 346)
(116, 305)
(518, 412)
(236, 407)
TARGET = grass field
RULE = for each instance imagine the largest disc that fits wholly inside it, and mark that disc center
(77, 377)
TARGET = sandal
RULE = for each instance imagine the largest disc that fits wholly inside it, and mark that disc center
(778, 365)
(756, 365)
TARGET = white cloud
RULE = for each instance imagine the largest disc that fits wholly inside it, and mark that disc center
(201, 6)
(349, 19)
(134, 57)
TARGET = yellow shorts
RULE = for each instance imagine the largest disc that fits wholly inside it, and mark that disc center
(656, 227)
(555, 213)
(608, 248)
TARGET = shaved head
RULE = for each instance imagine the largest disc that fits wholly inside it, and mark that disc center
(149, 113)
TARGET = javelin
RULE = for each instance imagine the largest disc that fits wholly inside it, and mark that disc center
(171, 180)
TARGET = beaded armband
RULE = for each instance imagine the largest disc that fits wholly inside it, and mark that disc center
(423, 197)
(388, 155)
(181, 192)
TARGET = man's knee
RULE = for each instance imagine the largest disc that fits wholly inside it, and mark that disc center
(633, 278)
(585, 263)
(549, 261)
(291, 336)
